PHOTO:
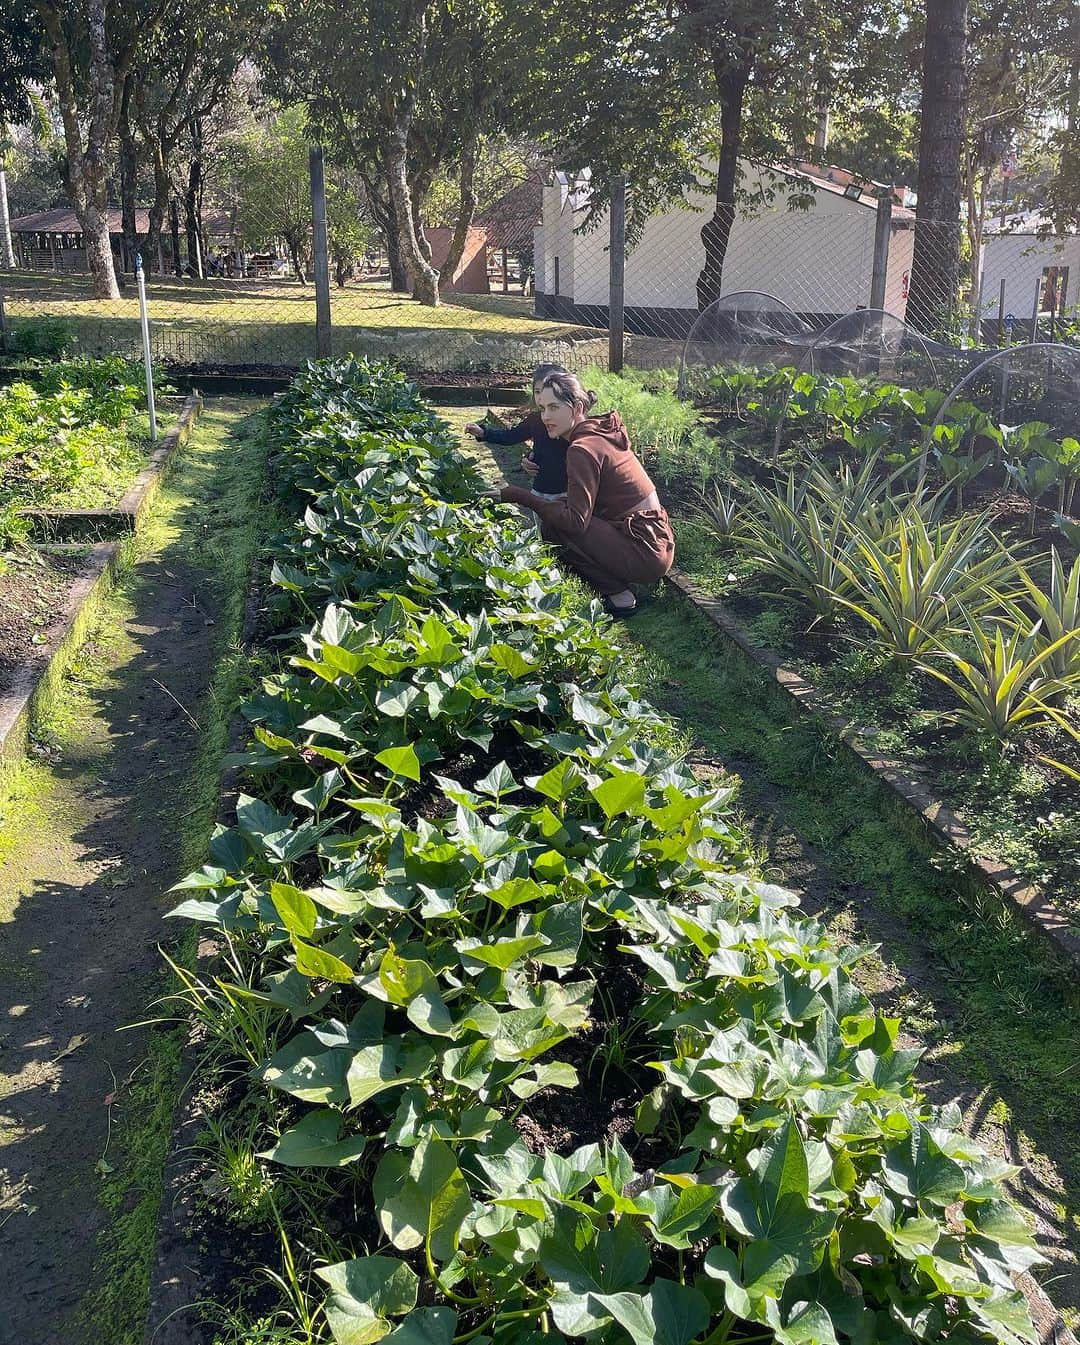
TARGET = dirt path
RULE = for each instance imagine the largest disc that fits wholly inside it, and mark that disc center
(95, 835)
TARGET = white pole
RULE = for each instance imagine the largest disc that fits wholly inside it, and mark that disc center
(145, 319)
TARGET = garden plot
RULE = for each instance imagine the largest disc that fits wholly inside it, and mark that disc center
(939, 618)
(507, 1034)
(75, 438)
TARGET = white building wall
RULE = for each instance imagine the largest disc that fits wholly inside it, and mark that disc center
(898, 273)
(559, 241)
(1019, 260)
(818, 260)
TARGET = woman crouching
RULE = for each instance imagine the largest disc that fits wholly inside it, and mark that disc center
(610, 528)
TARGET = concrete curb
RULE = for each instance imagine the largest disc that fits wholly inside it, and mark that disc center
(37, 677)
(125, 517)
(1027, 899)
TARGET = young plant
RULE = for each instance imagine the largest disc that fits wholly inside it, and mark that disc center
(1055, 605)
(718, 508)
(1033, 478)
(1003, 684)
(911, 587)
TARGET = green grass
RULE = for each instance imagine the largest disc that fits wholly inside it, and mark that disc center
(273, 322)
(205, 525)
(225, 555)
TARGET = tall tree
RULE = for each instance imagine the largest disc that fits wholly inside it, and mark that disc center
(269, 167)
(418, 103)
(775, 64)
(935, 266)
(92, 48)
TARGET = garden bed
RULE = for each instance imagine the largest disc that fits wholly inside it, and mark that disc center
(33, 595)
(48, 592)
(812, 487)
(522, 924)
(915, 786)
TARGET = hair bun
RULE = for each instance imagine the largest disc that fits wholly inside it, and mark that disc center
(590, 399)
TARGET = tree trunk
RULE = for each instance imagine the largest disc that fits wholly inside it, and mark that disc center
(418, 227)
(174, 225)
(86, 166)
(294, 256)
(399, 272)
(425, 278)
(129, 181)
(935, 265)
(732, 77)
(7, 251)
(94, 220)
(191, 218)
(978, 186)
(466, 210)
(399, 275)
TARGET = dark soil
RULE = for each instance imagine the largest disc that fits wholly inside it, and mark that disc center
(426, 378)
(33, 589)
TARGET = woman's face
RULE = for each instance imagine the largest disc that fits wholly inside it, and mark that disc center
(559, 419)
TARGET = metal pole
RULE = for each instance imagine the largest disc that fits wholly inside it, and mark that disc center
(3, 326)
(322, 259)
(145, 320)
(616, 274)
(1035, 311)
(882, 234)
(1001, 312)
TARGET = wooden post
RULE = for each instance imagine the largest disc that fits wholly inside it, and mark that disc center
(506, 271)
(882, 235)
(322, 259)
(616, 274)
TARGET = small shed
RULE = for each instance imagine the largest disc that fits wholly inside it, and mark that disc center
(510, 223)
(1040, 272)
(817, 260)
(52, 240)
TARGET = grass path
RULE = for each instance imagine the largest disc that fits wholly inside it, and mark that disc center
(115, 806)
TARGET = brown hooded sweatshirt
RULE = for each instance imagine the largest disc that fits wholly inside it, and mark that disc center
(603, 477)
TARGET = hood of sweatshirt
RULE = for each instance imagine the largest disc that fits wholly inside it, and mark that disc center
(609, 426)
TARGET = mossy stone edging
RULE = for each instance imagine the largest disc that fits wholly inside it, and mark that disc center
(124, 517)
(1016, 893)
(37, 677)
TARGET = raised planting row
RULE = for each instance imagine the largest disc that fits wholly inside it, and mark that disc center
(75, 437)
(535, 1053)
(791, 414)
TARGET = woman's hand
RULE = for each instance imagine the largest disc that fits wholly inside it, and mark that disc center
(495, 493)
(477, 431)
(529, 467)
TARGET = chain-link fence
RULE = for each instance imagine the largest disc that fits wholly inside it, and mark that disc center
(535, 284)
